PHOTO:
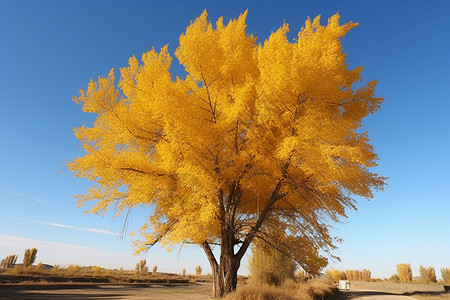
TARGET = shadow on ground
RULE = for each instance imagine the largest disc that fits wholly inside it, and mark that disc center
(155, 292)
(356, 294)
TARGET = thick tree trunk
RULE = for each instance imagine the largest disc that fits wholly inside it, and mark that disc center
(225, 273)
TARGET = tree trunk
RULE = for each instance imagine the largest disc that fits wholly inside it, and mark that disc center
(225, 273)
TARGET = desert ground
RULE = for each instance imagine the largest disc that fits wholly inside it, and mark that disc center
(191, 291)
(187, 291)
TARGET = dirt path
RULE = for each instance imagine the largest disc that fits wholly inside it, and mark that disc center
(63, 292)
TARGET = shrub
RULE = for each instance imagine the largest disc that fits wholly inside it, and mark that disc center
(9, 261)
(394, 278)
(96, 270)
(259, 292)
(404, 272)
(73, 269)
(155, 268)
(198, 271)
(184, 272)
(445, 273)
(289, 290)
(29, 258)
(56, 269)
(319, 289)
(302, 276)
(427, 275)
(39, 267)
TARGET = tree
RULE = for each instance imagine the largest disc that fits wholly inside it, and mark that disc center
(269, 266)
(445, 273)
(9, 261)
(141, 267)
(198, 271)
(29, 257)
(256, 136)
(404, 272)
(427, 275)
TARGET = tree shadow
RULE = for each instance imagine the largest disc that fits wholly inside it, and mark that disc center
(354, 294)
(24, 292)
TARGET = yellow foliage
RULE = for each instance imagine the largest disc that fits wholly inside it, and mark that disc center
(404, 272)
(267, 132)
(335, 275)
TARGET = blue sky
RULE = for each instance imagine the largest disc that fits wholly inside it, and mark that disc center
(51, 49)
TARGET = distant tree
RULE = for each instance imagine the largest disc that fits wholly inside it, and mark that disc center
(335, 275)
(29, 257)
(256, 134)
(9, 261)
(184, 272)
(366, 275)
(363, 275)
(427, 275)
(404, 272)
(141, 267)
(198, 271)
(445, 273)
(155, 268)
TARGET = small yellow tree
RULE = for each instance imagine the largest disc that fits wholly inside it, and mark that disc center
(268, 265)
(29, 257)
(335, 275)
(366, 275)
(404, 272)
(141, 267)
(198, 271)
(9, 261)
(427, 275)
(445, 273)
(257, 135)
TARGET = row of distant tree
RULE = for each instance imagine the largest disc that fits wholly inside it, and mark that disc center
(427, 275)
(404, 274)
(141, 268)
(269, 266)
(28, 259)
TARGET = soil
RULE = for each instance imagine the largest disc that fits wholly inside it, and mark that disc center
(186, 291)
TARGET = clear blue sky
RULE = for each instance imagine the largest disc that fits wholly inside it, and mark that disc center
(50, 49)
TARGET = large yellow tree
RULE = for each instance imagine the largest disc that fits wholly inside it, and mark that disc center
(256, 136)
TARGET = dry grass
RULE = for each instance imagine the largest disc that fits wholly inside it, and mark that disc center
(94, 274)
(289, 290)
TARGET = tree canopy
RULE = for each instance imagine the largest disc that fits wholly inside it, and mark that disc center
(255, 136)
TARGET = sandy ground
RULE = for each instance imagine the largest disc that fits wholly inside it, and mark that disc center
(375, 295)
(433, 297)
(63, 292)
(372, 295)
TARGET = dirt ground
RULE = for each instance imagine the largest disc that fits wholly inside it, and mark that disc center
(194, 291)
(445, 296)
